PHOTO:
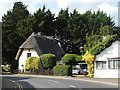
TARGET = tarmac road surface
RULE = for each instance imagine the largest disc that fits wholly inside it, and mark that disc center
(48, 83)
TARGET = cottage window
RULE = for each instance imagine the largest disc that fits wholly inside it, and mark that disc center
(100, 64)
(28, 55)
(114, 64)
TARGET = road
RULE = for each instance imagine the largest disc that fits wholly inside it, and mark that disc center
(7, 83)
(28, 82)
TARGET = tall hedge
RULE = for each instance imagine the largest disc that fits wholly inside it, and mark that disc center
(69, 58)
(61, 70)
(32, 64)
(48, 60)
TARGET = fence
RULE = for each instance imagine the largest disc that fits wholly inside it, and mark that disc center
(46, 72)
(40, 72)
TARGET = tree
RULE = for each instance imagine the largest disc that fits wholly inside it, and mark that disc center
(43, 21)
(10, 36)
(69, 59)
(61, 33)
(97, 25)
(90, 43)
(100, 46)
(24, 28)
(74, 30)
(89, 59)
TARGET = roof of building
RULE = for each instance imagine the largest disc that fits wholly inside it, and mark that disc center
(42, 44)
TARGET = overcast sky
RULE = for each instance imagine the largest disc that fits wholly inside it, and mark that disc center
(108, 6)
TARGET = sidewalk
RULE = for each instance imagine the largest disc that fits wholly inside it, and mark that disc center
(112, 81)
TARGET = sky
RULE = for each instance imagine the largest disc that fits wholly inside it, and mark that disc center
(108, 6)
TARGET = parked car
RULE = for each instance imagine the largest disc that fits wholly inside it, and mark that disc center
(84, 71)
(77, 71)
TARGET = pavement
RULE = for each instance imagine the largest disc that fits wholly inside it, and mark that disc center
(112, 81)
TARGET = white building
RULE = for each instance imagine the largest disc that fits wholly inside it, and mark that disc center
(107, 63)
(36, 45)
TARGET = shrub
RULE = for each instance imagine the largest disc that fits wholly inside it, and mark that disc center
(79, 58)
(48, 60)
(61, 70)
(32, 64)
(69, 58)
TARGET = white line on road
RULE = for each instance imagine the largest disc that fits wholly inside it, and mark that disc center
(53, 81)
(72, 86)
(99, 82)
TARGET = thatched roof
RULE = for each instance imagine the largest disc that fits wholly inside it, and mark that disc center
(42, 44)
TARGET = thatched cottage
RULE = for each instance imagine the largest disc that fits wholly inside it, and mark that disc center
(36, 45)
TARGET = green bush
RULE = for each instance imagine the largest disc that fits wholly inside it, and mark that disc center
(79, 58)
(61, 70)
(32, 64)
(48, 60)
(69, 58)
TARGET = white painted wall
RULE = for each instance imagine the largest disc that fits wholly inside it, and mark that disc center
(23, 57)
(107, 73)
(111, 52)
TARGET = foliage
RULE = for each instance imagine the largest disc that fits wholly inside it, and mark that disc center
(11, 40)
(103, 40)
(61, 70)
(24, 27)
(69, 58)
(79, 58)
(61, 26)
(89, 41)
(48, 60)
(100, 46)
(105, 30)
(32, 64)
(89, 59)
(43, 21)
